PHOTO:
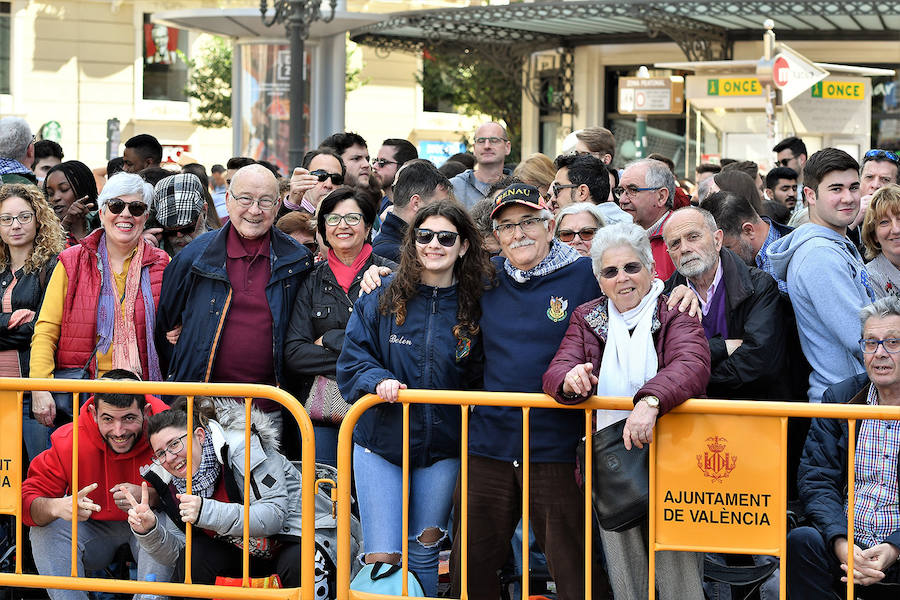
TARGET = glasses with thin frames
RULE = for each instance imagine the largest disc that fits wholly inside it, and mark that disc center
(632, 268)
(322, 175)
(263, 203)
(351, 219)
(381, 162)
(173, 448)
(445, 238)
(493, 140)
(632, 191)
(135, 209)
(528, 226)
(586, 234)
(870, 346)
(23, 218)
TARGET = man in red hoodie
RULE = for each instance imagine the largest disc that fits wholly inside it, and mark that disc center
(112, 446)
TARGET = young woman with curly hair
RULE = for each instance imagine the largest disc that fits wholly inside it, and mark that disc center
(30, 240)
(418, 330)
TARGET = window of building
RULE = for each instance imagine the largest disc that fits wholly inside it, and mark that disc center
(165, 72)
(4, 47)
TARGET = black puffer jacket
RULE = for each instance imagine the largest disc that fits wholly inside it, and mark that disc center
(823, 467)
(28, 293)
(756, 315)
(322, 309)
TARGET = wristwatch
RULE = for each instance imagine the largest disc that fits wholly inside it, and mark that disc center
(652, 401)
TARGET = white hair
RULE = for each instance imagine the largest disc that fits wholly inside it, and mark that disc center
(617, 235)
(542, 214)
(580, 207)
(657, 176)
(125, 184)
(889, 306)
(15, 137)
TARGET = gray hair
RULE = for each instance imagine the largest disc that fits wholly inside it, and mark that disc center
(657, 175)
(125, 184)
(580, 207)
(704, 189)
(617, 235)
(889, 306)
(543, 214)
(15, 137)
(707, 217)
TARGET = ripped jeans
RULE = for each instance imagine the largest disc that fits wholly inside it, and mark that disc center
(379, 491)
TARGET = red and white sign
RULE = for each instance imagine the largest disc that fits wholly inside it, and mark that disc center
(793, 73)
(172, 152)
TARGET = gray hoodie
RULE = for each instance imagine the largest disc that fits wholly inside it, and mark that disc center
(828, 285)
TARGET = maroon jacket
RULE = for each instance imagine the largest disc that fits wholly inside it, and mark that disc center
(681, 348)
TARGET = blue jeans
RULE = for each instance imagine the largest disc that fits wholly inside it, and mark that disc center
(35, 435)
(379, 490)
(326, 444)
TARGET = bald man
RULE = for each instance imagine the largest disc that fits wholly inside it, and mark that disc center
(227, 297)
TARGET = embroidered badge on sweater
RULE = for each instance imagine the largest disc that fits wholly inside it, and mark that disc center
(558, 308)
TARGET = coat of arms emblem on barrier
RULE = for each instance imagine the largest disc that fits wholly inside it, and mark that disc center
(716, 463)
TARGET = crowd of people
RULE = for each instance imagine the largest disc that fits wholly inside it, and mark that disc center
(354, 275)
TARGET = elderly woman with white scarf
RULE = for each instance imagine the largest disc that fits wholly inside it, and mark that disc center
(628, 343)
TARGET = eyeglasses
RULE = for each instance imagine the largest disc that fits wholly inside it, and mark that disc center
(870, 346)
(322, 175)
(586, 234)
(23, 218)
(492, 139)
(173, 448)
(135, 209)
(263, 203)
(880, 155)
(632, 268)
(529, 225)
(185, 230)
(556, 187)
(784, 161)
(445, 238)
(351, 219)
(632, 190)
(381, 162)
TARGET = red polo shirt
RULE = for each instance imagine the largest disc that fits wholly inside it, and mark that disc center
(245, 353)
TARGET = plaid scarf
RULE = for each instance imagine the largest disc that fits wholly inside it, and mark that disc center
(559, 256)
(203, 483)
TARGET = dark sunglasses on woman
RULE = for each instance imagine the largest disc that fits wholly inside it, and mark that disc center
(135, 209)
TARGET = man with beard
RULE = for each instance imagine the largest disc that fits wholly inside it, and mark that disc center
(745, 232)
(112, 447)
(781, 186)
(743, 316)
(393, 154)
(180, 211)
(354, 153)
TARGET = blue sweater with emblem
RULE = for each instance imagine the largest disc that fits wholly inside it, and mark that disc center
(523, 325)
(422, 353)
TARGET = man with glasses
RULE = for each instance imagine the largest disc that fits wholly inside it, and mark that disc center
(180, 211)
(491, 149)
(818, 554)
(791, 152)
(322, 170)
(646, 192)
(112, 446)
(525, 315)
(227, 297)
(583, 178)
(16, 151)
(393, 154)
(418, 183)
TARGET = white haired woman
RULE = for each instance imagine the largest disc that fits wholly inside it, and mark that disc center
(100, 306)
(576, 225)
(629, 343)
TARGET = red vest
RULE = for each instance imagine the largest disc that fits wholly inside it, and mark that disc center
(78, 332)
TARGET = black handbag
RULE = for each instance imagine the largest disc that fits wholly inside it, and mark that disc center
(620, 479)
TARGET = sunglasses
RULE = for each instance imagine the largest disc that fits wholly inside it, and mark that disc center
(632, 268)
(445, 238)
(185, 230)
(586, 234)
(135, 209)
(881, 154)
(322, 175)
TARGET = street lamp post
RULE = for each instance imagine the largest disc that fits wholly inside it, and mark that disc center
(297, 16)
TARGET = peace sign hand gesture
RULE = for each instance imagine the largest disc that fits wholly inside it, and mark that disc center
(140, 516)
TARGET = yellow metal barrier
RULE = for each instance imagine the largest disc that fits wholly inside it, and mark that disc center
(11, 501)
(670, 433)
